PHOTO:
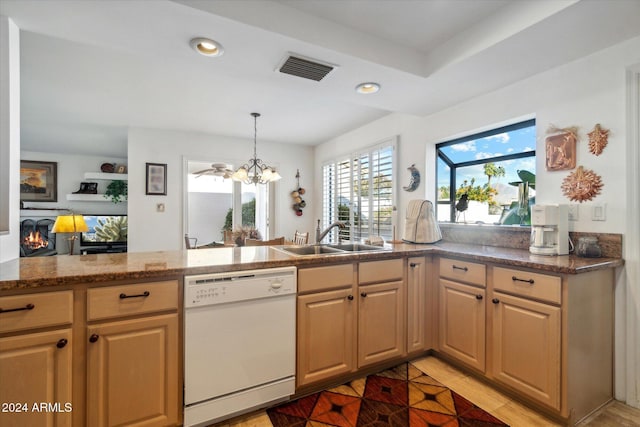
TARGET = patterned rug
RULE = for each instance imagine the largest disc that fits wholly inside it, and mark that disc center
(402, 396)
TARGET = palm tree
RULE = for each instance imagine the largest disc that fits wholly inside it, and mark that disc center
(490, 169)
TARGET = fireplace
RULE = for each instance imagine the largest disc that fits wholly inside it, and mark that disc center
(36, 238)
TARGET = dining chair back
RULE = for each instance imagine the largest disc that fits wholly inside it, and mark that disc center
(190, 242)
(301, 238)
(272, 242)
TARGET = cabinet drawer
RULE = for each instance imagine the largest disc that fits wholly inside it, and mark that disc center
(125, 300)
(380, 271)
(463, 271)
(527, 284)
(36, 310)
(323, 278)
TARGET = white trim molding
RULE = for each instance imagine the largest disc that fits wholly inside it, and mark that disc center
(631, 309)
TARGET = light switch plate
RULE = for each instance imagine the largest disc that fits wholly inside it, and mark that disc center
(160, 207)
(573, 212)
(599, 212)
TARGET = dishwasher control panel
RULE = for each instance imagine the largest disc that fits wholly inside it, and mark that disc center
(221, 288)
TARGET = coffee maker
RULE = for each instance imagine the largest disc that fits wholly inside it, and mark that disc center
(549, 230)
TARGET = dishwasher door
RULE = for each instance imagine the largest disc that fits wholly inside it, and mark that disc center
(246, 340)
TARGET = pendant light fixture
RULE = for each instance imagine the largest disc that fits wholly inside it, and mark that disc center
(255, 171)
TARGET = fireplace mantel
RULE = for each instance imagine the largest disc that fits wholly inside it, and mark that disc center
(37, 213)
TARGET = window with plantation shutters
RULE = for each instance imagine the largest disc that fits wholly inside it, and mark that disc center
(359, 188)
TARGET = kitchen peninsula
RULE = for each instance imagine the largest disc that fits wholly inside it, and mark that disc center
(514, 300)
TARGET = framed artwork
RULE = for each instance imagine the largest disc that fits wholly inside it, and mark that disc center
(561, 151)
(156, 179)
(38, 181)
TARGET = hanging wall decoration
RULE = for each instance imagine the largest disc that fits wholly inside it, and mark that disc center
(582, 185)
(598, 139)
(561, 148)
(296, 195)
(415, 179)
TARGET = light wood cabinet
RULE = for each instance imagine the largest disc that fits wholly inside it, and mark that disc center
(381, 311)
(36, 359)
(345, 324)
(35, 370)
(418, 313)
(326, 331)
(526, 347)
(133, 351)
(132, 372)
(552, 338)
(462, 323)
(461, 311)
(380, 322)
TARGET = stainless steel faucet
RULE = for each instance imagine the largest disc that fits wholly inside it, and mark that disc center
(321, 234)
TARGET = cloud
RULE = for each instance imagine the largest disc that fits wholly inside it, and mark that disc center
(503, 138)
(465, 146)
(483, 155)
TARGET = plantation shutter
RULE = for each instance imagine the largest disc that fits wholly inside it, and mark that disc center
(359, 189)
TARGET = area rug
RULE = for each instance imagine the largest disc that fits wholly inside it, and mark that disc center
(403, 396)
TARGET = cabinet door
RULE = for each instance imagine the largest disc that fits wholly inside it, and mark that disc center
(132, 369)
(526, 347)
(35, 369)
(417, 305)
(326, 335)
(462, 323)
(380, 322)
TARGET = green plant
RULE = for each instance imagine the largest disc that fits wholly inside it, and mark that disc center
(113, 229)
(480, 193)
(248, 215)
(117, 191)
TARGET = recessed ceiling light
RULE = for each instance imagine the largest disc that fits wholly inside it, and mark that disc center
(366, 88)
(206, 47)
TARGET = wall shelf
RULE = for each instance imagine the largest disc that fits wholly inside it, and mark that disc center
(89, 198)
(106, 176)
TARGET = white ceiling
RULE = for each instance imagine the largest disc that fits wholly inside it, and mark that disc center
(92, 68)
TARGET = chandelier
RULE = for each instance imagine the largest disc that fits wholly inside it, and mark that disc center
(255, 171)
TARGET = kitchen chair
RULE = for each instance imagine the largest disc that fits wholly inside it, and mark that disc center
(228, 238)
(301, 238)
(272, 242)
(188, 242)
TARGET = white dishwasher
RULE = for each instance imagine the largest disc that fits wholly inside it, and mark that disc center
(239, 342)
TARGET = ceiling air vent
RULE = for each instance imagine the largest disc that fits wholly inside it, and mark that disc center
(305, 68)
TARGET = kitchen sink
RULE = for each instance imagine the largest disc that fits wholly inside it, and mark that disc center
(328, 249)
(311, 250)
(356, 247)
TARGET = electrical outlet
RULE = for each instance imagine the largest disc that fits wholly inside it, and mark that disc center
(573, 212)
(160, 207)
(599, 212)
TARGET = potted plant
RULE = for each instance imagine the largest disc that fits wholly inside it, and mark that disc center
(117, 191)
(245, 232)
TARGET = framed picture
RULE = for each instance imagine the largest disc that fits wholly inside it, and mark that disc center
(561, 151)
(121, 169)
(38, 181)
(156, 179)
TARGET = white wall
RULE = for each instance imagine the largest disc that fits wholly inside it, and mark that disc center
(588, 91)
(9, 139)
(150, 230)
(207, 213)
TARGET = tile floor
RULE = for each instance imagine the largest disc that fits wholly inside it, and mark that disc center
(494, 402)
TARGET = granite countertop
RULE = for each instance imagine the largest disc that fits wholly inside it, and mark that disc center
(29, 273)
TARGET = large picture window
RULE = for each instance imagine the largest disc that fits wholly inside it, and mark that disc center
(359, 188)
(486, 167)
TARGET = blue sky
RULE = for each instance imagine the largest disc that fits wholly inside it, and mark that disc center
(517, 141)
